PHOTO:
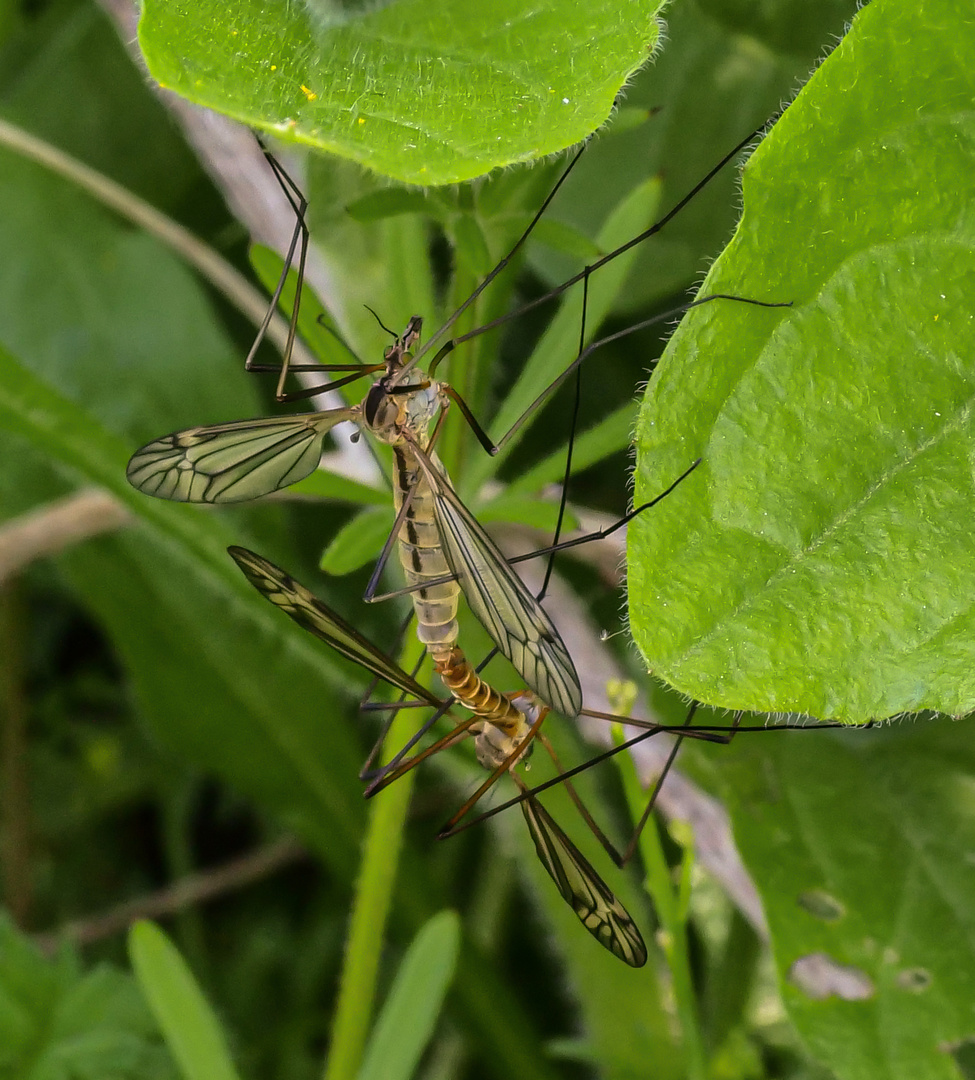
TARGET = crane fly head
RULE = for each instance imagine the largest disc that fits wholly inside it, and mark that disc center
(400, 362)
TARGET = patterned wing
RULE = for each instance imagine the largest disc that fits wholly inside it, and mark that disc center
(311, 614)
(501, 600)
(583, 889)
(233, 462)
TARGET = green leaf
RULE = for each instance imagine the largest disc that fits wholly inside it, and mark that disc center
(325, 484)
(821, 561)
(412, 1009)
(560, 344)
(57, 1020)
(192, 1031)
(359, 541)
(566, 239)
(859, 843)
(470, 246)
(525, 510)
(158, 585)
(388, 202)
(425, 93)
(607, 437)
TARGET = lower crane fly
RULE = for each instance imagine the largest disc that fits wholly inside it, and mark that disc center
(504, 728)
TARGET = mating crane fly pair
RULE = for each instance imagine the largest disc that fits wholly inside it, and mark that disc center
(443, 551)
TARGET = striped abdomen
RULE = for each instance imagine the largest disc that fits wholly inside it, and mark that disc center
(507, 721)
(422, 558)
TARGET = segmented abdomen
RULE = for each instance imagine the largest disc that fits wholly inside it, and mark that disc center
(475, 694)
(422, 558)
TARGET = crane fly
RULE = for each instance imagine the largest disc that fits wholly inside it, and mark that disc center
(442, 548)
(504, 728)
(499, 726)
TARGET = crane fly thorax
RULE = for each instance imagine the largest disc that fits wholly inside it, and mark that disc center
(404, 415)
(402, 405)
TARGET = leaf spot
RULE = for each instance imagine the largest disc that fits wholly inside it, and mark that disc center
(819, 977)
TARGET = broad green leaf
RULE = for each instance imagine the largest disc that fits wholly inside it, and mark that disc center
(388, 202)
(470, 246)
(425, 93)
(821, 559)
(567, 240)
(410, 1013)
(859, 843)
(192, 1031)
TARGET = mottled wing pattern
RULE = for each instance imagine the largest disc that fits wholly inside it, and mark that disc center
(583, 889)
(502, 602)
(314, 616)
(233, 462)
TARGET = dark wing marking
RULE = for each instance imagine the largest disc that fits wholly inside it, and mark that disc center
(233, 462)
(583, 889)
(501, 600)
(311, 614)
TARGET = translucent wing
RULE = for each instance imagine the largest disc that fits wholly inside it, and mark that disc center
(311, 614)
(583, 889)
(501, 601)
(233, 462)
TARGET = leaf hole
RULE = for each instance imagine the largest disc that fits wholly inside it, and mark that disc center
(820, 977)
(963, 1053)
(821, 905)
(915, 980)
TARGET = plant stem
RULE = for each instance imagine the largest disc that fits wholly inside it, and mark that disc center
(373, 896)
(215, 269)
(671, 905)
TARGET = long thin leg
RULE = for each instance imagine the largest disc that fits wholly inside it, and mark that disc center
(450, 345)
(388, 776)
(605, 842)
(299, 241)
(450, 828)
(564, 545)
(706, 734)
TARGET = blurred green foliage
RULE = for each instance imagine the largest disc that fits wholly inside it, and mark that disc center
(161, 719)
